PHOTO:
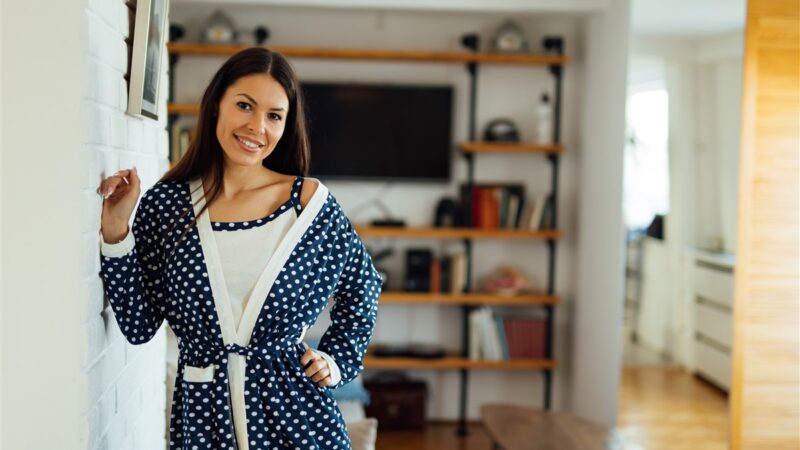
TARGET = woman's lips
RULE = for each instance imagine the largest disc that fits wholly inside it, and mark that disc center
(246, 148)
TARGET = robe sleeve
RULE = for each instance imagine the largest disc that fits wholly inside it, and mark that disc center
(354, 310)
(131, 272)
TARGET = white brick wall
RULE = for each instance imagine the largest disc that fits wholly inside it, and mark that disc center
(127, 398)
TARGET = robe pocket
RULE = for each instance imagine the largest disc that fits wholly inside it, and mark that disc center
(194, 374)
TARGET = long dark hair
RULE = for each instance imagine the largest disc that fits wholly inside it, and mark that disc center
(204, 157)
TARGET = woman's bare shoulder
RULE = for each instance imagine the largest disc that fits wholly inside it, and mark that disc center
(310, 186)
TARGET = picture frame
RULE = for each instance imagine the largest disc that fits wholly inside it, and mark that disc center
(147, 55)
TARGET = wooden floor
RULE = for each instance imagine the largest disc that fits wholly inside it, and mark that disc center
(439, 436)
(660, 408)
(668, 408)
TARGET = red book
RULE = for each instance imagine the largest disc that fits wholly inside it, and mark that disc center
(436, 276)
(496, 207)
(539, 338)
(477, 205)
(515, 350)
(527, 338)
(486, 206)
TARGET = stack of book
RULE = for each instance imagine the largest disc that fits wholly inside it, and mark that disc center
(182, 135)
(497, 337)
(448, 274)
(503, 205)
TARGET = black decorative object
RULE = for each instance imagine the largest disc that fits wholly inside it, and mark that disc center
(448, 213)
(426, 351)
(501, 130)
(553, 44)
(176, 32)
(262, 34)
(656, 227)
(418, 270)
(471, 41)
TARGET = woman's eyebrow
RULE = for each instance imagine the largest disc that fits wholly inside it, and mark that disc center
(256, 103)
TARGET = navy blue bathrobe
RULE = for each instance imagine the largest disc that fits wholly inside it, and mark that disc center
(244, 388)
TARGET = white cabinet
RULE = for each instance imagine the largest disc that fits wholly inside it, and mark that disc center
(712, 286)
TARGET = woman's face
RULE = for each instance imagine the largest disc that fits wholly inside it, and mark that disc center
(251, 119)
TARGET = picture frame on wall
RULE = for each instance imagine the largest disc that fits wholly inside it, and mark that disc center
(149, 37)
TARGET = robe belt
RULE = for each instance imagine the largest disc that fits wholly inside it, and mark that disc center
(221, 356)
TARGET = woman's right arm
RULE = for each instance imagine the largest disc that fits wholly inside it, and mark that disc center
(131, 270)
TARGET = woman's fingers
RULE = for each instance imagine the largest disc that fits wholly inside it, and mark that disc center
(123, 178)
(316, 368)
(321, 375)
(308, 356)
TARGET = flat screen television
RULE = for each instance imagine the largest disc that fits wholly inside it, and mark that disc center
(379, 132)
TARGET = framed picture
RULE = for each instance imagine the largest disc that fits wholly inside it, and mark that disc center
(149, 35)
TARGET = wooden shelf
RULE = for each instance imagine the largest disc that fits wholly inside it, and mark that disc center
(510, 147)
(457, 362)
(472, 298)
(543, 59)
(455, 233)
(183, 108)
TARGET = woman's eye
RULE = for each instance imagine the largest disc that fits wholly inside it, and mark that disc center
(245, 107)
(275, 116)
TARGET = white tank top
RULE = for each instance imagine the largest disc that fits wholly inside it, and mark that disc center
(244, 255)
(245, 248)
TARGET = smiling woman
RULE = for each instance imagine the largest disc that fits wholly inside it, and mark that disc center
(250, 125)
(240, 289)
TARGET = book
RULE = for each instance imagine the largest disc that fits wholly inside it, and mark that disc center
(475, 349)
(547, 221)
(436, 271)
(536, 211)
(490, 339)
(458, 276)
(445, 274)
(500, 327)
(181, 137)
(492, 205)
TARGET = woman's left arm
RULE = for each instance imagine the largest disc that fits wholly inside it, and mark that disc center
(354, 311)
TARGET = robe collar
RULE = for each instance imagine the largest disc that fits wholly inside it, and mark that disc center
(258, 296)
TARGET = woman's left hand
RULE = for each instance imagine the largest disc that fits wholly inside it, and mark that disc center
(316, 367)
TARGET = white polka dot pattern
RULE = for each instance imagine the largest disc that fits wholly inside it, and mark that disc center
(284, 408)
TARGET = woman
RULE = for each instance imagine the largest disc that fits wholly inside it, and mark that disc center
(238, 287)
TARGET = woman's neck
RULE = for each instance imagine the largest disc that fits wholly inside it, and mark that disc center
(239, 179)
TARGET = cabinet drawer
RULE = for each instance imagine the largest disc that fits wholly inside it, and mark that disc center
(713, 322)
(713, 284)
(712, 363)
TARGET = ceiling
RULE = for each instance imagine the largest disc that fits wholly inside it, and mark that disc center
(686, 18)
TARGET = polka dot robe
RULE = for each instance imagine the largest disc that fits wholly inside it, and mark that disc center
(275, 406)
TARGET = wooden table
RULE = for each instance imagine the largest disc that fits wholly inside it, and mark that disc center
(516, 428)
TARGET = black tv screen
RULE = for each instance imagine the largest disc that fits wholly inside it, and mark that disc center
(379, 132)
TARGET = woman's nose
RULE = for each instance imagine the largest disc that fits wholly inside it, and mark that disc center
(257, 125)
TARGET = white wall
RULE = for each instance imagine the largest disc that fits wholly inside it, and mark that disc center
(503, 90)
(597, 320)
(44, 341)
(1, 233)
(127, 398)
(70, 380)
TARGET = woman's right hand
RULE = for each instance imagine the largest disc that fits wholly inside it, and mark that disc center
(120, 193)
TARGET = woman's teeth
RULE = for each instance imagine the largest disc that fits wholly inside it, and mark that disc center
(248, 143)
